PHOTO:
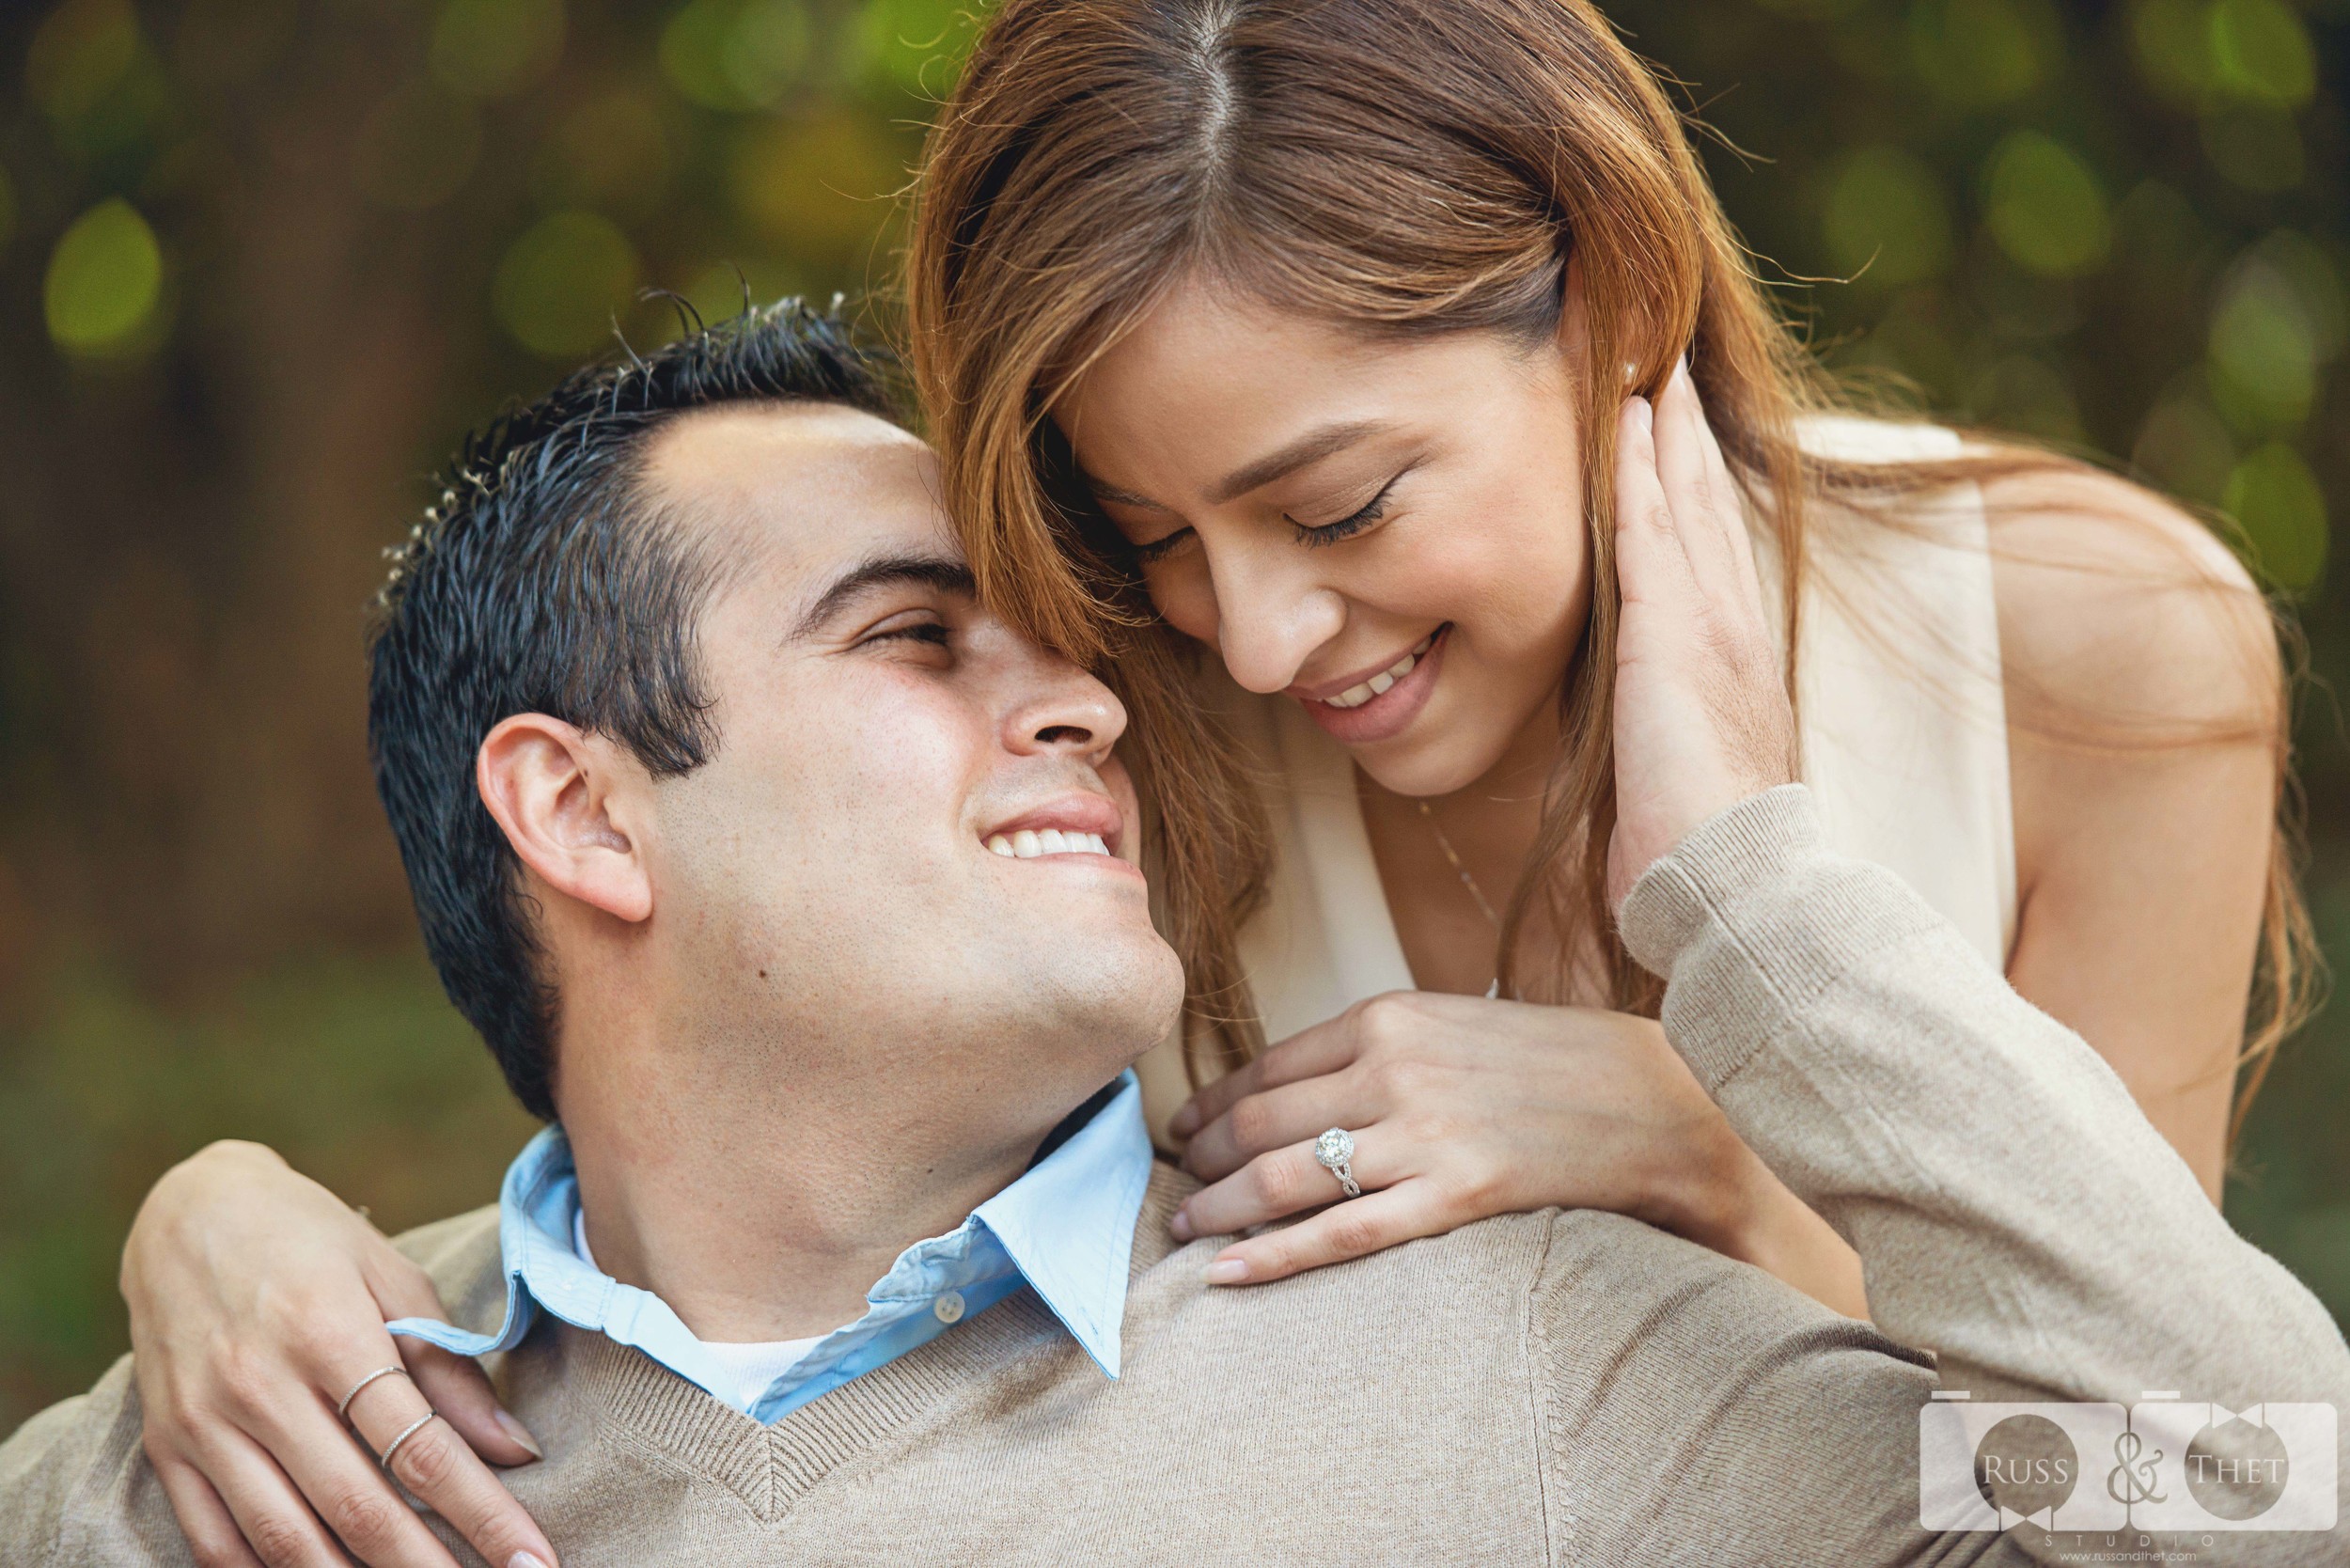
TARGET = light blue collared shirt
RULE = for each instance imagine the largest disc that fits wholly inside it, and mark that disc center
(1065, 1228)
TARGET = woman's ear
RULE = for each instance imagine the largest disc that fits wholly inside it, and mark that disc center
(1575, 323)
(1574, 339)
(559, 794)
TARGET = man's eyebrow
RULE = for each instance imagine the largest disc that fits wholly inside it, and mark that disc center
(943, 573)
(1310, 447)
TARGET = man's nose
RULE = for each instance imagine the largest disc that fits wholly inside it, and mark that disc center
(1063, 709)
(1271, 614)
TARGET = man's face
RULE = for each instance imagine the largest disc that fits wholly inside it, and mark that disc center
(825, 888)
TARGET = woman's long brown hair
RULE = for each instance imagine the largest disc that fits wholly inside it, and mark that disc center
(1402, 168)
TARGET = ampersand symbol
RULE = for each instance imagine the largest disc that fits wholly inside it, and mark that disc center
(2124, 1481)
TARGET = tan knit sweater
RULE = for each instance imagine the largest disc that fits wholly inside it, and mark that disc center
(1551, 1387)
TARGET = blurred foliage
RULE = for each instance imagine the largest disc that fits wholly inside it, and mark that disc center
(105, 278)
(262, 260)
(353, 1067)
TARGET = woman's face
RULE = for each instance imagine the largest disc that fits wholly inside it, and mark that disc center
(1389, 532)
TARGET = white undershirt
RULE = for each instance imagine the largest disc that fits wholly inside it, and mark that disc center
(750, 1370)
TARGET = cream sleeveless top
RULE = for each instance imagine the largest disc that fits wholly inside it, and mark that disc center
(1904, 737)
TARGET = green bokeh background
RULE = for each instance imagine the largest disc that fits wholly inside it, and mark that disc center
(262, 260)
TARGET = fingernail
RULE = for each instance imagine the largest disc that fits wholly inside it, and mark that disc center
(1184, 1123)
(1642, 415)
(520, 1433)
(1179, 1227)
(1226, 1271)
(526, 1560)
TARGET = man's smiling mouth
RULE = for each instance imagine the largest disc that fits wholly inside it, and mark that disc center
(1081, 822)
(1025, 845)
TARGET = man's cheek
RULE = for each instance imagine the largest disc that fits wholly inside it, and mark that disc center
(909, 770)
(1121, 784)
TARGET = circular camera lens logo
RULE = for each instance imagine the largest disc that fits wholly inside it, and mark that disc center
(2026, 1465)
(2237, 1470)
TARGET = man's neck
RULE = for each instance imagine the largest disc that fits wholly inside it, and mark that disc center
(757, 1209)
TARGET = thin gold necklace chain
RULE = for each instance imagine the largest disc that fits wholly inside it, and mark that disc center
(1483, 907)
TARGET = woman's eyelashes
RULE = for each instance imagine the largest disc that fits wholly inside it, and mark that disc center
(1308, 534)
(1163, 549)
(1354, 523)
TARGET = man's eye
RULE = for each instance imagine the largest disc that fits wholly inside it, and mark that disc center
(929, 631)
(936, 632)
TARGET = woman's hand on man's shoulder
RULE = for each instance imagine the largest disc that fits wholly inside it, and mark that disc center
(259, 1301)
(1461, 1109)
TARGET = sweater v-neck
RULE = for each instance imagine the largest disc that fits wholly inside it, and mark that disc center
(771, 1467)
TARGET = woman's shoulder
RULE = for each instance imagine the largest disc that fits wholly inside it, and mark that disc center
(1864, 438)
(2104, 596)
(2115, 602)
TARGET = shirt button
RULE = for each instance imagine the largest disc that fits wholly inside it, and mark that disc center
(948, 1306)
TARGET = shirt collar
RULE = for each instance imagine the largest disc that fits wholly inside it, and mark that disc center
(1069, 1223)
(1065, 1226)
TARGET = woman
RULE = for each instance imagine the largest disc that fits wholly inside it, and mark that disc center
(1274, 351)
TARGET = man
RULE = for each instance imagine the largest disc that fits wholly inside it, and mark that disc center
(802, 891)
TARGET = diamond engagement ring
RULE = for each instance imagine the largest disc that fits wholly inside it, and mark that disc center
(1334, 1151)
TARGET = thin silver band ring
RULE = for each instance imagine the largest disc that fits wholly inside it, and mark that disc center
(407, 1432)
(342, 1411)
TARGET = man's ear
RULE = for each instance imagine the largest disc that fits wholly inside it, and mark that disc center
(561, 797)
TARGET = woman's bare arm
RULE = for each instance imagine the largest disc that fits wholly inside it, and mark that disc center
(2141, 674)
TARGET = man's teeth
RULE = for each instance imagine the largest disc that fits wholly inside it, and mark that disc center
(1025, 845)
(1355, 696)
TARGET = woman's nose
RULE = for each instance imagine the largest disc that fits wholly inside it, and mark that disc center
(1271, 615)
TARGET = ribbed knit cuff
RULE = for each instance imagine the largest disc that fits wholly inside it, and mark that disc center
(1753, 918)
(1762, 839)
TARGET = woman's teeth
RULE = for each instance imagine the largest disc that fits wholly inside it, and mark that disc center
(1354, 696)
(1025, 845)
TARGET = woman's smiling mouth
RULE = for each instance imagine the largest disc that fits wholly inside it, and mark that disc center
(1362, 692)
(1377, 707)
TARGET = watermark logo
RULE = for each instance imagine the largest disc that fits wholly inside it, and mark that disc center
(2159, 1465)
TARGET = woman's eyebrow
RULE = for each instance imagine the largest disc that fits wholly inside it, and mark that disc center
(1310, 447)
(943, 573)
(1105, 491)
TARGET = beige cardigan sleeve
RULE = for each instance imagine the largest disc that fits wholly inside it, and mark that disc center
(76, 1492)
(2014, 1212)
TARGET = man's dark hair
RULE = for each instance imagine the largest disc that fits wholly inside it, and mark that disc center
(544, 582)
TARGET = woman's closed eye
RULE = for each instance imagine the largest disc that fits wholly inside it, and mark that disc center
(1349, 526)
(1166, 548)
(1308, 534)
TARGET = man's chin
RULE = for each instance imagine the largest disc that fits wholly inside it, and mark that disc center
(1113, 996)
